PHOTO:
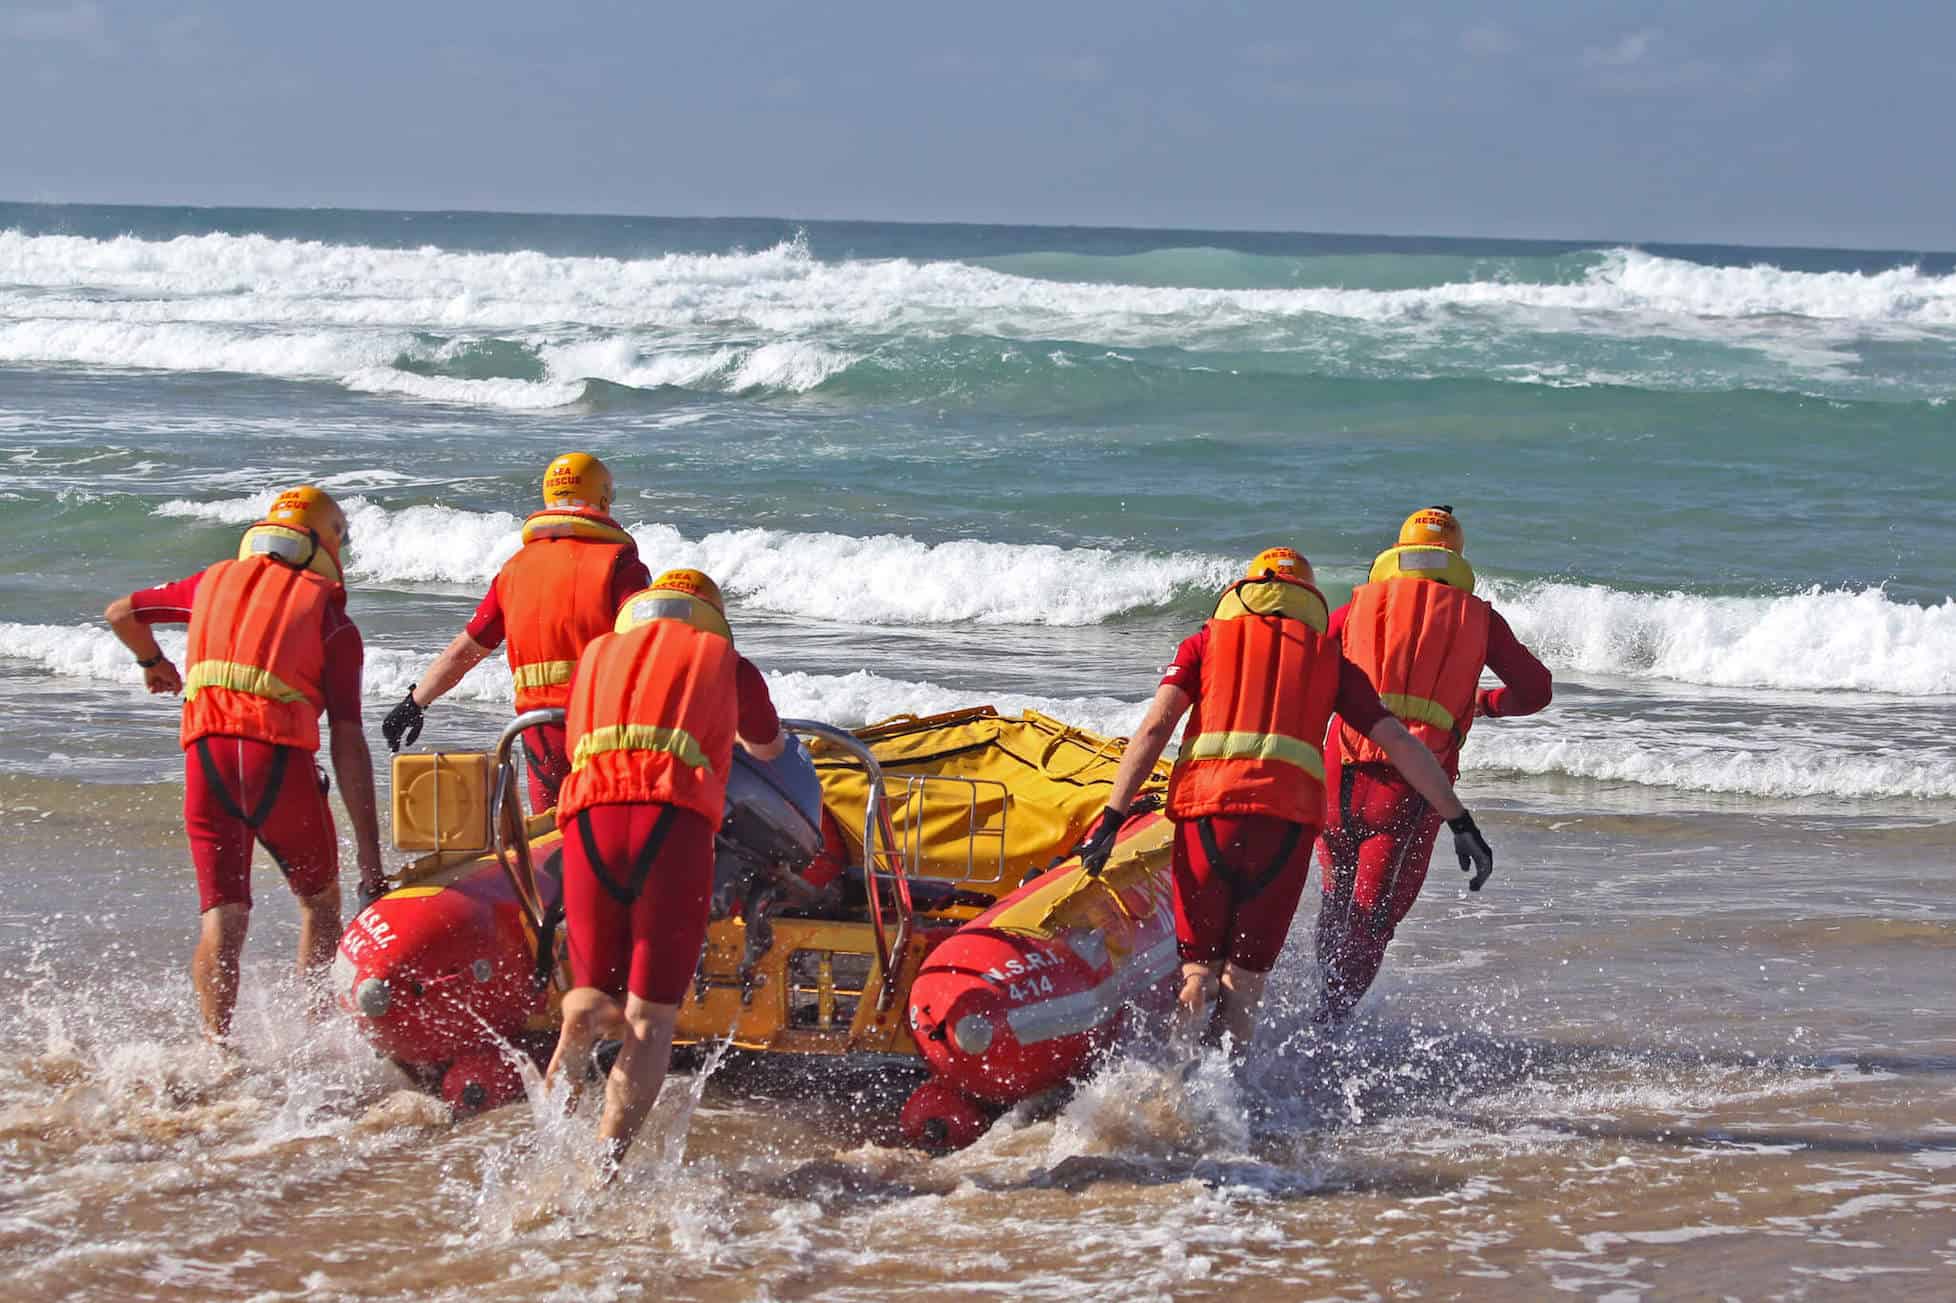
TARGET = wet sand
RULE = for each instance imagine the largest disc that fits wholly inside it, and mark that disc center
(1674, 1056)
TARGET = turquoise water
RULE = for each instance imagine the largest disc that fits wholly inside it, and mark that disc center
(1710, 485)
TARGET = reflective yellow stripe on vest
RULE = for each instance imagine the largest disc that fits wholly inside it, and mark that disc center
(1258, 746)
(238, 678)
(542, 674)
(641, 737)
(1423, 710)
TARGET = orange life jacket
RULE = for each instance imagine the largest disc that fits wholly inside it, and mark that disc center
(257, 655)
(1422, 642)
(1269, 684)
(652, 718)
(556, 597)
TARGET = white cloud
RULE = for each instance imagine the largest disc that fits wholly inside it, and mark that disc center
(79, 23)
(1644, 63)
(1626, 52)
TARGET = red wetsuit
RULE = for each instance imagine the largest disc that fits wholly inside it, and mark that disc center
(543, 746)
(648, 943)
(296, 826)
(1254, 859)
(1379, 832)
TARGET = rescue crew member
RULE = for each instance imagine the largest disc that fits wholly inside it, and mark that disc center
(270, 648)
(1259, 682)
(557, 593)
(1422, 637)
(655, 710)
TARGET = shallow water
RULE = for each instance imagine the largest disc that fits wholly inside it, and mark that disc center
(1618, 1072)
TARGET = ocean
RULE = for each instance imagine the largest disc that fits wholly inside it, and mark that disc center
(1697, 1038)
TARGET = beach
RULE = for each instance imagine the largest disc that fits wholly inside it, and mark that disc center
(1695, 1039)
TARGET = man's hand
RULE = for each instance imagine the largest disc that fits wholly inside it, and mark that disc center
(353, 765)
(1476, 856)
(372, 886)
(162, 679)
(1098, 844)
(403, 723)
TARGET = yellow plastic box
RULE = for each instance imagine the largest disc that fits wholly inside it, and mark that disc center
(441, 801)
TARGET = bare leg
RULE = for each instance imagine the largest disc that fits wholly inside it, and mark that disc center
(214, 966)
(633, 1086)
(1193, 1006)
(1242, 993)
(319, 930)
(588, 1014)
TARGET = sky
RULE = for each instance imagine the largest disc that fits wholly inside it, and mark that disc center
(1740, 121)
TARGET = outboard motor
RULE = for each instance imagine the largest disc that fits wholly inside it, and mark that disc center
(768, 835)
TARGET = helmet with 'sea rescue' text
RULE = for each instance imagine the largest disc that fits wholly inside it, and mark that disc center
(577, 479)
(688, 596)
(1433, 527)
(312, 509)
(693, 583)
(1281, 563)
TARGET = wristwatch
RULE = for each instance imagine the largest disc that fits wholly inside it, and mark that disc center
(153, 661)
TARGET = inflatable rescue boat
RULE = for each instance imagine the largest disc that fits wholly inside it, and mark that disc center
(925, 914)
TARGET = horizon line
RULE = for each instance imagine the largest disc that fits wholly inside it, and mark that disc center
(1569, 242)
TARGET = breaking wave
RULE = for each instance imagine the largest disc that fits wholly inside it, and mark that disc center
(883, 579)
(1856, 640)
(250, 279)
(1813, 765)
(421, 322)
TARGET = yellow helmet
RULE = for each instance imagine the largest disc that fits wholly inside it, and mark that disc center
(685, 595)
(1433, 527)
(577, 479)
(1281, 563)
(312, 509)
(693, 583)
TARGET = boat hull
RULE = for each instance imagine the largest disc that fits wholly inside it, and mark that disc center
(1024, 996)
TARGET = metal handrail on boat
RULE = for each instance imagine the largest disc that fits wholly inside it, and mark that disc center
(876, 829)
(513, 842)
(512, 826)
(909, 818)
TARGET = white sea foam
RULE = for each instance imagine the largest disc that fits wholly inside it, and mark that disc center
(883, 579)
(1790, 760)
(224, 511)
(781, 319)
(1820, 639)
(510, 395)
(81, 651)
(254, 279)
(1729, 758)
(91, 652)
(1856, 640)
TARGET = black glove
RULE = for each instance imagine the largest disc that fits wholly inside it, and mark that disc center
(1098, 844)
(403, 723)
(1476, 856)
